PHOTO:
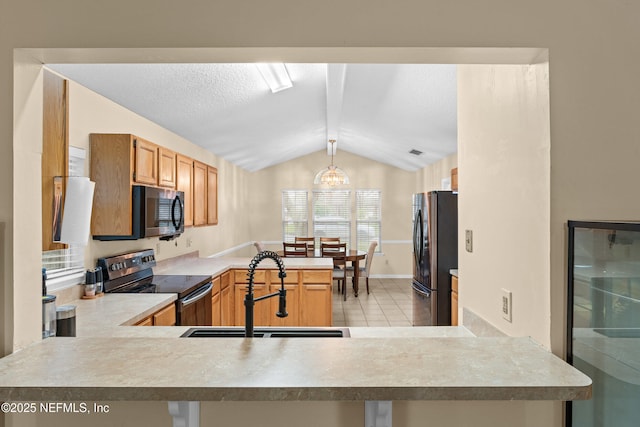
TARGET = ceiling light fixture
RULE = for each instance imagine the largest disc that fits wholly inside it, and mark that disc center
(331, 175)
(275, 75)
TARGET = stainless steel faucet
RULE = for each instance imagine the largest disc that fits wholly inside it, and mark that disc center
(249, 300)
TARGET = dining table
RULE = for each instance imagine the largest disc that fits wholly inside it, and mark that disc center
(354, 256)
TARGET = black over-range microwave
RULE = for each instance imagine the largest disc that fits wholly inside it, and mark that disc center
(156, 212)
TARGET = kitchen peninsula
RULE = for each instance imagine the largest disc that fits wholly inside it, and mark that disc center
(111, 362)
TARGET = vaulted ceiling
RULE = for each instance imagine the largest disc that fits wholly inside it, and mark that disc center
(378, 111)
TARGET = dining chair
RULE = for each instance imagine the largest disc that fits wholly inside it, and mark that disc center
(259, 246)
(329, 240)
(337, 251)
(364, 271)
(310, 241)
(298, 250)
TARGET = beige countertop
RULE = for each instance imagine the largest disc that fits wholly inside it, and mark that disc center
(217, 266)
(255, 369)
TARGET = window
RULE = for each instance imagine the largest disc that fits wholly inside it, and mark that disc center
(368, 218)
(332, 214)
(294, 214)
(65, 267)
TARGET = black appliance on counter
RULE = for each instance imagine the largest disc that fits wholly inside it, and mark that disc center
(435, 253)
(132, 273)
(155, 212)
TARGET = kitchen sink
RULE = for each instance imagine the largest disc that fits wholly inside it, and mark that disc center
(267, 332)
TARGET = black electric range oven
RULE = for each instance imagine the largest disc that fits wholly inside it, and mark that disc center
(132, 273)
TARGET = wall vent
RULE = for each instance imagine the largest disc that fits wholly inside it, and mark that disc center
(415, 152)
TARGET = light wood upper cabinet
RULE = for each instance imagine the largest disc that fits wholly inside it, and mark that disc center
(146, 162)
(112, 168)
(119, 161)
(199, 193)
(55, 151)
(454, 179)
(184, 182)
(166, 168)
(212, 195)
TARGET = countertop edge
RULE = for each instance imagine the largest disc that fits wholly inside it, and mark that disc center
(219, 394)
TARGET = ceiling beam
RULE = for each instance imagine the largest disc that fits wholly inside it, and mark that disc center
(335, 93)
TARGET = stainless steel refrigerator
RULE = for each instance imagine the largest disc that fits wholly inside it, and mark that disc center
(435, 252)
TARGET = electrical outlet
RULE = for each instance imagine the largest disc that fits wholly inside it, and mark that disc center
(506, 305)
(468, 240)
(158, 248)
(189, 242)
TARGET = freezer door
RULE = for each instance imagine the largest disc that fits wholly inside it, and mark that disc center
(424, 305)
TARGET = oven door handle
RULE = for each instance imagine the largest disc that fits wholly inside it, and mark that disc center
(197, 295)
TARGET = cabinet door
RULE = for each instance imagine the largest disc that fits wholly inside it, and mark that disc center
(199, 193)
(215, 302)
(293, 306)
(146, 162)
(166, 316)
(212, 195)
(315, 305)
(227, 308)
(184, 182)
(166, 168)
(55, 150)
(261, 309)
(145, 322)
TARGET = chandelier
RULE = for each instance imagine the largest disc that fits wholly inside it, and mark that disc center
(331, 175)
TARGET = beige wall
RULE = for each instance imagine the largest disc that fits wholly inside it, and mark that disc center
(430, 178)
(308, 414)
(503, 128)
(93, 113)
(396, 186)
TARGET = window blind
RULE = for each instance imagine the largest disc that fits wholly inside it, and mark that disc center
(295, 214)
(368, 218)
(65, 267)
(332, 214)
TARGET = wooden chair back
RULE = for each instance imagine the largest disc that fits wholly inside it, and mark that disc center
(310, 241)
(337, 251)
(329, 240)
(294, 249)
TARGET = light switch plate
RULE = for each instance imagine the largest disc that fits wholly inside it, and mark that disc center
(468, 240)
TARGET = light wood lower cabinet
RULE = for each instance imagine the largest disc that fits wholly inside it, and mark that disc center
(227, 300)
(309, 301)
(163, 317)
(315, 305)
(454, 301)
(216, 319)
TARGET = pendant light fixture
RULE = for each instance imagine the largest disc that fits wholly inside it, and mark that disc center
(331, 175)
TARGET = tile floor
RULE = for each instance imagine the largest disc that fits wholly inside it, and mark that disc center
(388, 304)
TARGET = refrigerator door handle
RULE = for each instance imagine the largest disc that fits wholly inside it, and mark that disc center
(422, 291)
(418, 238)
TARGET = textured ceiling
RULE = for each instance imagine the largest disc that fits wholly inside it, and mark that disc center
(380, 111)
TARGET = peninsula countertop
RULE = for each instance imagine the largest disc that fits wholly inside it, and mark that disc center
(253, 369)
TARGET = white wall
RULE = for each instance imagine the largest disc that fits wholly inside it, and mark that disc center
(504, 145)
